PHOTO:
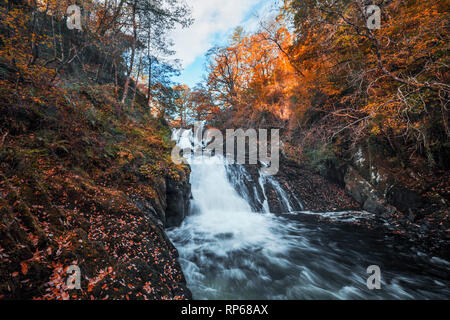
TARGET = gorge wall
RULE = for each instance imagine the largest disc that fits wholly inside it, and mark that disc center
(413, 203)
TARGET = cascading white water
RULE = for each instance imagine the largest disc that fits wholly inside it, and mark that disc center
(229, 252)
(280, 192)
(265, 201)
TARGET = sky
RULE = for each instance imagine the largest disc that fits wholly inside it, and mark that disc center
(214, 22)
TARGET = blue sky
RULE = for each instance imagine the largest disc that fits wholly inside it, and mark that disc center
(215, 20)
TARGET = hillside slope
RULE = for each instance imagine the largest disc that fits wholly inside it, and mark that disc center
(83, 182)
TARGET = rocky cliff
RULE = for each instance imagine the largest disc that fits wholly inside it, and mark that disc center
(411, 201)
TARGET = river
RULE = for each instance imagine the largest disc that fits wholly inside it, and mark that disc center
(228, 251)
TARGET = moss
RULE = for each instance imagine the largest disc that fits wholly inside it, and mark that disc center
(319, 157)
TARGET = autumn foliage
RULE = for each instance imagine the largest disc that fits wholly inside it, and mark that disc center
(317, 71)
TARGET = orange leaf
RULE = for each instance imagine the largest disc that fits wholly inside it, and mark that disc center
(24, 268)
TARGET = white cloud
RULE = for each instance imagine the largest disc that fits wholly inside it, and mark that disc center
(212, 17)
(268, 9)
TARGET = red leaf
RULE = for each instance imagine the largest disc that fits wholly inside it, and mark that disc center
(24, 268)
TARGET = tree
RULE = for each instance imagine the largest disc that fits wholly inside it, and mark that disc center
(182, 103)
(336, 81)
(201, 103)
(134, 26)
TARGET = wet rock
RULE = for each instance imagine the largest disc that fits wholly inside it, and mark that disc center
(357, 187)
(247, 186)
(273, 199)
(224, 236)
(404, 200)
(178, 195)
(304, 190)
(363, 192)
(372, 206)
(159, 203)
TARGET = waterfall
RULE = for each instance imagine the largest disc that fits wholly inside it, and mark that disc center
(253, 190)
(281, 193)
(232, 247)
(211, 189)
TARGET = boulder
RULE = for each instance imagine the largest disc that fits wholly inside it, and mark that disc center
(178, 196)
(405, 200)
(363, 192)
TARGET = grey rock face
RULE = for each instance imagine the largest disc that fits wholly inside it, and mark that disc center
(178, 195)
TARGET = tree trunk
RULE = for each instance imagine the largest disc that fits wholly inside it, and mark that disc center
(116, 80)
(137, 80)
(133, 52)
(149, 95)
